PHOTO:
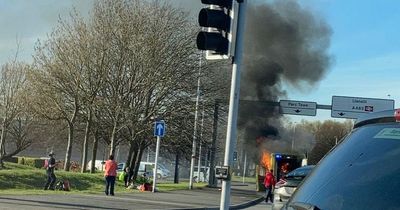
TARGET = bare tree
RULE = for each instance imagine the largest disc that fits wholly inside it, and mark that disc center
(97, 60)
(327, 135)
(57, 78)
(129, 63)
(12, 83)
(154, 65)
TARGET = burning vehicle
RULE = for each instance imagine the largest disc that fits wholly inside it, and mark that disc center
(281, 164)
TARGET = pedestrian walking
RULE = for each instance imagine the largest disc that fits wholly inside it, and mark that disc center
(110, 173)
(51, 177)
(269, 183)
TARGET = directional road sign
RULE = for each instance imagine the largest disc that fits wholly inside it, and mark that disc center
(159, 128)
(298, 107)
(354, 107)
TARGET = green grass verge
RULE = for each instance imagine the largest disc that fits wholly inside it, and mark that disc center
(20, 179)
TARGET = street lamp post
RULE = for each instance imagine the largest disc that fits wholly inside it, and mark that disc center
(193, 159)
(201, 138)
(294, 135)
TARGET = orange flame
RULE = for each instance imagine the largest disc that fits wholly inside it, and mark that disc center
(265, 159)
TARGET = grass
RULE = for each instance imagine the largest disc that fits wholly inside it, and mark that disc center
(21, 179)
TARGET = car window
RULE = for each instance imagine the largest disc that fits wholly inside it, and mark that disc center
(142, 167)
(293, 182)
(120, 166)
(363, 167)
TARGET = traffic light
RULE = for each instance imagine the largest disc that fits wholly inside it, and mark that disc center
(235, 156)
(217, 19)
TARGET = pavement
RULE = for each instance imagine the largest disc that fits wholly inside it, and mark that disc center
(263, 205)
(243, 196)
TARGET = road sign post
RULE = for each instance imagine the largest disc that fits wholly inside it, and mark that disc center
(354, 107)
(159, 131)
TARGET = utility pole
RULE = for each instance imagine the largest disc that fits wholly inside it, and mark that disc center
(201, 139)
(212, 181)
(195, 128)
(294, 135)
(244, 165)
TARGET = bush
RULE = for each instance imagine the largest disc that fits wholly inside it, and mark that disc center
(21, 160)
(11, 159)
(34, 162)
(143, 180)
(74, 165)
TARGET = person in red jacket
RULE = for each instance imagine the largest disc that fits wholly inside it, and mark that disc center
(110, 173)
(269, 183)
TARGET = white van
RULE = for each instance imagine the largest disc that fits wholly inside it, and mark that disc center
(98, 164)
(204, 174)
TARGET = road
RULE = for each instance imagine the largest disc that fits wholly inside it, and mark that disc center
(242, 196)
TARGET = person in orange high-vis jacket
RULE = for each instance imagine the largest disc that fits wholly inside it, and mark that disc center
(269, 183)
(110, 173)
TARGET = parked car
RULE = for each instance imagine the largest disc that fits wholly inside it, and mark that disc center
(286, 186)
(362, 172)
(121, 167)
(147, 168)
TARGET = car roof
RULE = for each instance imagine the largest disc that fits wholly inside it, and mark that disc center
(304, 167)
(308, 166)
(377, 117)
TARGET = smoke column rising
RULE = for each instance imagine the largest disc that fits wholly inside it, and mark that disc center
(284, 43)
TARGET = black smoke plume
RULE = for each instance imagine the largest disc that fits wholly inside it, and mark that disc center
(284, 44)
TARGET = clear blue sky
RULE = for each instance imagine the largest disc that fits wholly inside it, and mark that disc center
(365, 43)
(366, 49)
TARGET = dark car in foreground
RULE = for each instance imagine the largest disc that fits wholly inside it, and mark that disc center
(285, 187)
(363, 172)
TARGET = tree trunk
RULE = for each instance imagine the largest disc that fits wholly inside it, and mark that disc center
(112, 140)
(132, 161)
(130, 154)
(2, 144)
(176, 176)
(67, 163)
(70, 122)
(86, 140)
(137, 161)
(94, 152)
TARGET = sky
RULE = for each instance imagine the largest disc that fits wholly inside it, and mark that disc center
(365, 43)
(366, 51)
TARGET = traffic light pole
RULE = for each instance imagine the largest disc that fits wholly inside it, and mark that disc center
(233, 103)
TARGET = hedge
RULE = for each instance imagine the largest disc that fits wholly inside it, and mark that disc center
(34, 162)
